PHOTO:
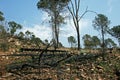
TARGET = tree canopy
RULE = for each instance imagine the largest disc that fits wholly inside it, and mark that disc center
(1, 16)
(115, 32)
(54, 8)
(71, 40)
(101, 23)
(13, 26)
(109, 43)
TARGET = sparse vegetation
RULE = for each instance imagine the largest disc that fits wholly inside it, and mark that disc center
(23, 56)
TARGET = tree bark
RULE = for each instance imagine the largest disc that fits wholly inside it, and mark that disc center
(78, 38)
(103, 44)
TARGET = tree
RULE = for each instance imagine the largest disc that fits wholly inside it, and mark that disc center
(60, 44)
(91, 42)
(74, 9)
(46, 41)
(3, 34)
(14, 27)
(87, 41)
(35, 40)
(101, 23)
(2, 29)
(115, 32)
(109, 43)
(54, 8)
(21, 35)
(71, 41)
(1, 16)
(28, 34)
(95, 42)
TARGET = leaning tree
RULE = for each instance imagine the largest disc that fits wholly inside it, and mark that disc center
(115, 32)
(101, 23)
(54, 8)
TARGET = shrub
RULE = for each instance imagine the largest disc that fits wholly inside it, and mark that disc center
(4, 46)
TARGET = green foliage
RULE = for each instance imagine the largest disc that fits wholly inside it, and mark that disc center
(49, 5)
(71, 41)
(87, 41)
(21, 35)
(3, 32)
(54, 8)
(109, 43)
(4, 46)
(101, 23)
(115, 32)
(14, 27)
(91, 42)
(95, 42)
(3, 39)
(36, 40)
(46, 41)
(29, 35)
(1, 16)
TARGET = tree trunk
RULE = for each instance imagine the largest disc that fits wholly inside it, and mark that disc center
(56, 31)
(78, 38)
(119, 42)
(103, 44)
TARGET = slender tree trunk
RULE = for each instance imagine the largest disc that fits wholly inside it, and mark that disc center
(119, 42)
(56, 31)
(103, 44)
(78, 38)
(56, 36)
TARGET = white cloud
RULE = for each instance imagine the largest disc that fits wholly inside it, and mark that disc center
(44, 32)
(69, 29)
(40, 31)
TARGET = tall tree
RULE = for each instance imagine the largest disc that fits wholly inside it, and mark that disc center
(71, 41)
(54, 8)
(14, 27)
(74, 9)
(115, 32)
(3, 34)
(3, 31)
(101, 23)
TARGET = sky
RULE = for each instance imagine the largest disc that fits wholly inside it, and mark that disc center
(25, 12)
